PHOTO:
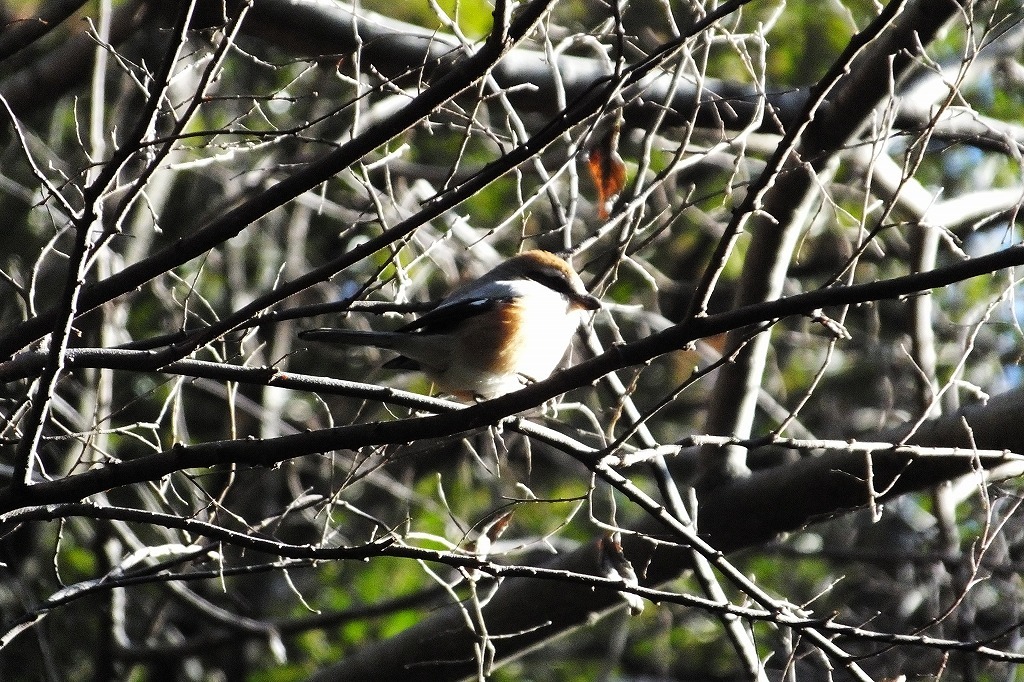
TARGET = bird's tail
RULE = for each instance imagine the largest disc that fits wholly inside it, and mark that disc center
(352, 337)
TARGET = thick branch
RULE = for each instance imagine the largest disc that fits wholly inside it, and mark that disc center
(270, 451)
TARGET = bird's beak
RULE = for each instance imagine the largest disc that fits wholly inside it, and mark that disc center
(588, 302)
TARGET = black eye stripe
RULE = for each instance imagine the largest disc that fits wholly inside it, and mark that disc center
(554, 282)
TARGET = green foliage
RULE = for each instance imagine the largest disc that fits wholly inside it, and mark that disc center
(77, 563)
(473, 17)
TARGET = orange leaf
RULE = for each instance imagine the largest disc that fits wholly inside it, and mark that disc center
(607, 170)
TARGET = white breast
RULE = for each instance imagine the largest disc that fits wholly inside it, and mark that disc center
(548, 328)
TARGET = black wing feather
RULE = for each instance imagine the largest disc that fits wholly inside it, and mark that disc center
(444, 318)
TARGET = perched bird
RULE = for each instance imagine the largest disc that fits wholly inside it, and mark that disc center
(491, 336)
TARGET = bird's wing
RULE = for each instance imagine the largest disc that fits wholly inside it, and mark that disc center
(448, 315)
(355, 337)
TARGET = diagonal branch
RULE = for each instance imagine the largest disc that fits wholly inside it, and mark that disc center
(454, 81)
(270, 451)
